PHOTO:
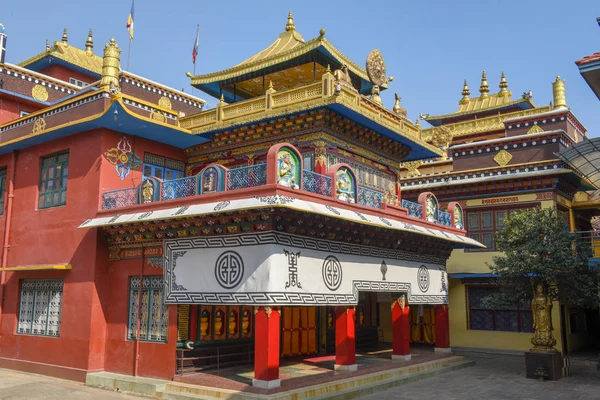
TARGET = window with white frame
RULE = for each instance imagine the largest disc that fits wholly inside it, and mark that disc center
(154, 314)
(23, 113)
(76, 82)
(40, 307)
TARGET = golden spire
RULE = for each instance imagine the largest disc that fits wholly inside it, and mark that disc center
(89, 43)
(65, 39)
(484, 88)
(111, 66)
(290, 24)
(466, 93)
(558, 92)
(503, 86)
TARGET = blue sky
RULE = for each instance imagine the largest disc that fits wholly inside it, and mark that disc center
(429, 46)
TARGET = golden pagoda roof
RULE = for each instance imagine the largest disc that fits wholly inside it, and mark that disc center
(288, 46)
(484, 102)
(85, 59)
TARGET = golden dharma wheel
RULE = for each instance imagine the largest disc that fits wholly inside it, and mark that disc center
(376, 68)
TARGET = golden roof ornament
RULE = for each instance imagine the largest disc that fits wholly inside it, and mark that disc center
(503, 87)
(322, 33)
(377, 74)
(64, 38)
(48, 47)
(484, 89)
(466, 93)
(398, 109)
(111, 67)
(558, 93)
(89, 44)
(290, 23)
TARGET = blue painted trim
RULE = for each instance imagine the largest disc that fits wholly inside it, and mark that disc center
(592, 66)
(125, 123)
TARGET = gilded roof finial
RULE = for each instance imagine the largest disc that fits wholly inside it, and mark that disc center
(89, 43)
(48, 47)
(290, 23)
(65, 39)
(322, 33)
(558, 94)
(466, 93)
(398, 109)
(503, 86)
(111, 66)
(484, 88)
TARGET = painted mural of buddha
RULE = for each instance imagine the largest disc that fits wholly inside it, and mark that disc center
(286, 170)
(345, 186)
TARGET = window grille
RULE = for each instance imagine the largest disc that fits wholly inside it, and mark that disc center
(154, 316)
(40, 307)
(516, 318)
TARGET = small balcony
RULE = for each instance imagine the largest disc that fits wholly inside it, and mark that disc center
(283, 167)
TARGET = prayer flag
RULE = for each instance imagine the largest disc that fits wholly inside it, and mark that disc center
(130, 21)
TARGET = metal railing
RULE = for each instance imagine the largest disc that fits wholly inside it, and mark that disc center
(445, 218)
(592, 238)
(369, 197)
(178, 188)
(414, 209)
(247, 177)
(316, 183)
(119, 198)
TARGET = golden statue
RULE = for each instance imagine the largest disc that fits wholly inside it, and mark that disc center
(343, 76)
(390, 196)
(541, 308)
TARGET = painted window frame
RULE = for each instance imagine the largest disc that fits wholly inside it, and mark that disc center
(77, 82)
(522, 312)
(498, 216)
(153, 288)
(59, 182)
(36, 288)
(163, 164)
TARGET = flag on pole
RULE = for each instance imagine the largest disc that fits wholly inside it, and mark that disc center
(195, 49)
(130, 21)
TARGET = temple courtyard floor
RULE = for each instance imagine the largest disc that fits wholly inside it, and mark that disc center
(491, 377)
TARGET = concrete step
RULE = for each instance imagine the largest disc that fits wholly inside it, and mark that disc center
(341, 389)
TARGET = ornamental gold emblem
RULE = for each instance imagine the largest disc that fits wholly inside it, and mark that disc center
(376, 68)
(164, 102)
(39, 93)
(503, 157)
(39, 125)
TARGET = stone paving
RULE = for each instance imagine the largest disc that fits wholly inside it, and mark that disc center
(499, 377)
(19, 385)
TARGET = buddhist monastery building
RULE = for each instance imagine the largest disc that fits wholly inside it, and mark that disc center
(145, 234)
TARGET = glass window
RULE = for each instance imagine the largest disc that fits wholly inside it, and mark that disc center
(53, 181)
(486, 220)
(473, 221)
(154, 316)
(308, 162)
(162, 167)
(488, 240)
(500, 217)
(516, 318)
(40, 307)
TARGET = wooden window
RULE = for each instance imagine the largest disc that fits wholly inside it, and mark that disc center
(53, 181)
(40, 307)
(154, 314)
(516, 318)
(483, 224)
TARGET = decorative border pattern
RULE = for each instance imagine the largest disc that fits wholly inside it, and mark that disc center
(174, 246)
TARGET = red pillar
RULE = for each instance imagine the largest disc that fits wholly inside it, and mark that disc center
(400, 330)
(345, 339)
(442, 329)
(266, 347)
(194, 323)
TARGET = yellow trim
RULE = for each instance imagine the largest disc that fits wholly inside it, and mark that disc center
(39, 267)
(154, 121)
(585, 204)
(148, 104)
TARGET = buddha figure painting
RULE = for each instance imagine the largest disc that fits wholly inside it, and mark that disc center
(458, 218)
(288, 171)
(345, 185)
(431, 210)
(209, 181)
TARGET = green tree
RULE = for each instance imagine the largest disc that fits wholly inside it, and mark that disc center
(538, 249)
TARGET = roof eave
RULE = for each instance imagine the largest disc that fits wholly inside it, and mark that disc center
(437, 120)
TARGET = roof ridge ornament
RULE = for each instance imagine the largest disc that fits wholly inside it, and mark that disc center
(290, 23)
(65, 38)
(466, 93)
(484, 89)
(89, 44)
(503, 87)
(111, 67)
